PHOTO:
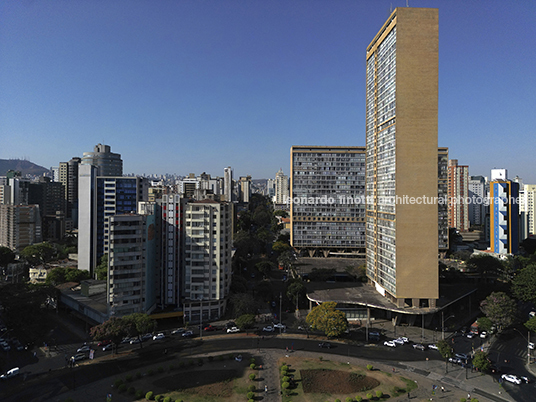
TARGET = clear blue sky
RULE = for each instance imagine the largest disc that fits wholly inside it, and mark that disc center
(191, 86)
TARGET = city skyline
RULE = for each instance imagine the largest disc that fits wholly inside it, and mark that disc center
(180, 87)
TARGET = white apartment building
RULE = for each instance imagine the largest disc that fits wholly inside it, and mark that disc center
(282, 188)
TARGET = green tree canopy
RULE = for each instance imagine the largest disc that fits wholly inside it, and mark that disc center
(61, 275)
(245, 321)
(296, 290)
(38, 253)
(101, 270)
(524, 284)
(486, 265)
(280, 212)
(500, 309)
(244, 303)
(326, 318)
(265, 267)
(7, 256)
(280, 246)
(138, 324)
(531, 324)
(481, 361)
(264, 290)
(484, 324)
(444, 349)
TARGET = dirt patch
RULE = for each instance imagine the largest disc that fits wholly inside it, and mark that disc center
(336, 382)
(215, 383)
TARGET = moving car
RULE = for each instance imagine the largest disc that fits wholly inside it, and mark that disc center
(177, 331)
(268, 329)
(462, 356)
(471, 335)
(279, 325)
(133, 341)
(107, 347)
(531, 345)
(232, 330)
(419, 346)
(391, 344)
(187, 334)
(210, 328)
(158, 337)
(326, 345)
(398, 341)
(483, 334)
(78, 356)
(432, 346)
(511, 378)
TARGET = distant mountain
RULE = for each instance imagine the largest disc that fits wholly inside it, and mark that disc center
(23, 166)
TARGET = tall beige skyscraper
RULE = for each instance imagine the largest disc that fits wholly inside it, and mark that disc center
(458, 182)
(402, 158)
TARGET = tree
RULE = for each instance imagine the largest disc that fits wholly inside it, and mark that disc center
(138, 323)
(264, 290)
(524, 284)
(7, 256)
(481, 361)
(101, 270)
(287, 259)
(280, 246)
(38, 253)
(244, 303)
(444, 349)
(486, 265)
(265, 267)
(531, 324)
(326, 318)
(280, 212)
(114, 330)
(295, 290)
(500, 309)
(484, 324)
(75, 275)
(60, 275)
(245, 321)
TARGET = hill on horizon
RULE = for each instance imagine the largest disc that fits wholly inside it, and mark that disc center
(23, 166)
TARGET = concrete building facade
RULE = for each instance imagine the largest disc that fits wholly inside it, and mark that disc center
(458, 193)
(504, 217)
(327, 187)
(106, 162)
(401, 159)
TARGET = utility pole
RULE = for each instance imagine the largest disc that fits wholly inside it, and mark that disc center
(280, 311)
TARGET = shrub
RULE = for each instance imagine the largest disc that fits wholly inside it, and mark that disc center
(149, 396)
(167, 399)
(191, 362)
(284, 368)
(252, 366)
(251, 388)
(358, 398)
(159, 398)
(251, 400)
(250, 395)
(379, 394)
(369, 367)
(230, 357)
(210, 358)
(118, 383)
(181, 364)
(348, 399)
(369, 396)
(138, 375)
(337, 400)
(463, 400)
(131, 390)
(160, 369)
(171, 367)
(252, 360)
(252, 376)
(286, 379)
(200, 361)
(220, 358)
(122, 388)
(150, 372)
(285, 385)
(139, 394)
(128, 378)
(320, 358)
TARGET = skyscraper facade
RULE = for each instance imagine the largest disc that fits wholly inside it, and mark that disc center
(458, 192)
(281, 184)
(477, 194)
(504, 216)
(401, 157)
(228, 184)
(328, 205)
(106, 162)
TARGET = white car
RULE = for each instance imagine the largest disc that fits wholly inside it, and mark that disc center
(233, 330)
(419, 346)
(399, 341)
(391, 344)
(531, 345)
(432, 346)
(158, 337)
(404, 339)
(268, 329)
(279, 325)
(511, 378)
(177, 331)
(83, 349)
(483, 334)
(471, 335)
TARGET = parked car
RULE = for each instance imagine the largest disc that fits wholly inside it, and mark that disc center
(187, 334)
(419, 346)
(107, 347)
(238, 358)
(326, 345)
(230, 324)
(269, 328)
(17, 345)
(210, 328)
(524, 379)
(483, 334)
(404, 339)
(398, 341)
(10, 373)
(177, 331)
(471, 335)
(146, 337)
(158, 337)
(78, 357)
(279, 325)
(432, 346)
(531, 345)
(83, 349)
(136, 340)
(391, 344)
(233, 330)
(462, 356)
(511, 378)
